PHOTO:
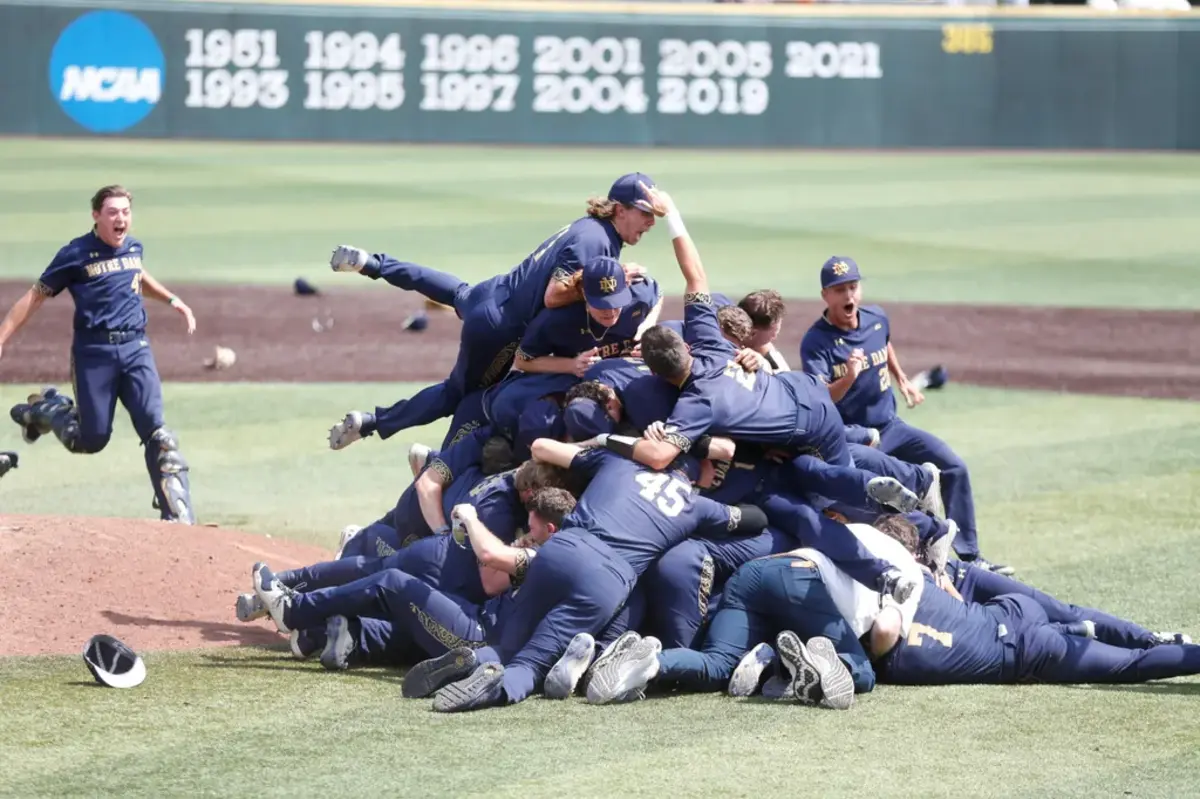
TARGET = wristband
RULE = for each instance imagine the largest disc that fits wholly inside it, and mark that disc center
(173, 301)
(700, 447)
(675, 225)
(622, 445)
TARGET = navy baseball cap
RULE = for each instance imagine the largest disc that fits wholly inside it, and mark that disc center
(838, 270)
(585, 419)
(604, 284)
(626, 191)
(540, 419)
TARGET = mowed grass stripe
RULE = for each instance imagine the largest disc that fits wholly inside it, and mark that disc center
(1055, 229)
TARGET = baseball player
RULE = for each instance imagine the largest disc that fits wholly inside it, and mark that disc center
(850, 349)
(110, 354)
(496, 312)
(570, 339)
(765, 310)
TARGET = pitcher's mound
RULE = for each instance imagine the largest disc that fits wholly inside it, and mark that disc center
(152, 584)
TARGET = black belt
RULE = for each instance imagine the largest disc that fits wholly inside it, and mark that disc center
(110, 336)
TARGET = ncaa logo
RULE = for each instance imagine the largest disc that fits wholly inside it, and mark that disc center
(106, 71)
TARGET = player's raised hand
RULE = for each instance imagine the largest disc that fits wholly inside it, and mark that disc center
(656, 431)
(661, 203)
(189, 318)
(857, 362)
(584, 361)
(348, 259)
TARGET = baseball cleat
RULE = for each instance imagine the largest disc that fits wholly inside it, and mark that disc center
(306, 643)
(22, 414)
(346, 258)
(890, 492)
(347, 534)
(802, 680)
(625, 673)
(932, 501)
(1171, 638)
(418, 454)
(484, 688)
(339, 643)
(615, 648)
(249, 607)
(350, 429)
(985, 564)
(428, 676)
(833, 686)
(44, 407)
(274, 595)
(564, 675)
(939, 550)
(8, 460)
(1081, 629)
(897, 584)
(748, 673)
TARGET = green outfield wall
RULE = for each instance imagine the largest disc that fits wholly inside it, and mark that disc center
(573, 73)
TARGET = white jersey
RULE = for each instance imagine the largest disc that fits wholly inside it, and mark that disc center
(858, 604)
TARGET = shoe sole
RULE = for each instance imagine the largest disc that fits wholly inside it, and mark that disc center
(935, 504)
(617, 647)
(564, 675)
(345, 537)
(746, 676)
(429, 676)
(889, 492)
(462, 695)
(249, 608)
(836, 683)
(624, 675)
(297, 652)
(259, 591)
(338, 645)
(803, 679)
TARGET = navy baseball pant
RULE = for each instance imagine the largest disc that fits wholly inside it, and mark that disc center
(764, 598)
(576, 584)
(908, 443)
(980, 585)
(683, 583)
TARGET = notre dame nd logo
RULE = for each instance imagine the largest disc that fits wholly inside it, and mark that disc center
(608, 284)
(840, 268)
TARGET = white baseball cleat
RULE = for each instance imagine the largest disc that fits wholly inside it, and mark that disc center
(347, 534)
(939, 551)
(348, 259)
(249, 607)
(347, 431)
(888, 491)
(339, 643)
(564, 675)
(418, 454)
(274, 595)
(626, 673)
(746, 676)
(932, 501)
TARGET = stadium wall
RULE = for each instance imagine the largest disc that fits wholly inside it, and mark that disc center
(602, 73)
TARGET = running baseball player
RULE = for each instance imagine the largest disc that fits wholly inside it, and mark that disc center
(496, 312)
(110, 355)
(850, 348)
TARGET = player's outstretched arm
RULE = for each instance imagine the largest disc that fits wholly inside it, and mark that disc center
(555, 364)
(152, 288)
(19, 314)
(694, 278)
(556, 453)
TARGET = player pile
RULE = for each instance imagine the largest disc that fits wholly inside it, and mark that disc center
(608, 475)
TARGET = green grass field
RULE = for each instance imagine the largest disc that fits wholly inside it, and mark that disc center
(1092, 498)
(1049, 229)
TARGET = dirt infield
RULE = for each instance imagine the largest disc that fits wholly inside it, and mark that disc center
(279, 336)
(136, 579)
(152, 584)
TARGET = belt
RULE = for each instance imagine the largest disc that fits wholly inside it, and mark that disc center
(110, 336)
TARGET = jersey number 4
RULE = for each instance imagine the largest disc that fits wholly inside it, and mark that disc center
(136, 283)
(669, 494)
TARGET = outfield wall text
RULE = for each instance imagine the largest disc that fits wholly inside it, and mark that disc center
(567, 77)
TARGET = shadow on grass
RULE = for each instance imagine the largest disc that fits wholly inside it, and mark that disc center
(216, 632)
(263, 663)
(1156, 688)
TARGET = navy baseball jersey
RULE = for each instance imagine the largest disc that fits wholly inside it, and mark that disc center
(522, 291)
(645, 397)
(105, 283)
(639, 512)
(825, 350)
(570, 330)
(504, 402)
(721, 398)
(948, 641)
(736, 481)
